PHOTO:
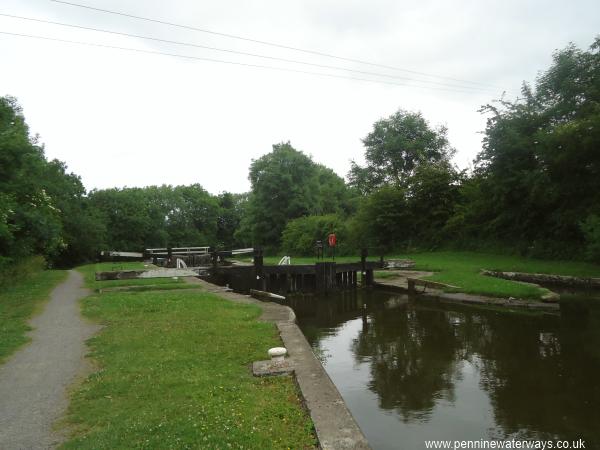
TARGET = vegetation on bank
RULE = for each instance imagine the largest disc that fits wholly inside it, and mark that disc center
(22, 290)
(174, 363)
(534, 189)
(463, 269)
(173, 374)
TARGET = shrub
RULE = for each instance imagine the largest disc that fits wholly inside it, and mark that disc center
(383, 220)
(300, 235)
(12, 271)
(591, 231)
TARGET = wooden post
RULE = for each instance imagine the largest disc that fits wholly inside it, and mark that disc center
(258, 269)
(369, 278)
(363, 265)
(411, 287)
(215, 257)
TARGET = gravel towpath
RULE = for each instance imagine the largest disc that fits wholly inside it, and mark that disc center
(34, 381)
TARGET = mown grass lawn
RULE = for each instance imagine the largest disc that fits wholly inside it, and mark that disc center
(174, 374)
(19, 299)
(462, 269)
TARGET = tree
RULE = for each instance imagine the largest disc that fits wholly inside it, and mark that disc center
(395, 148)
(231, 211)
(383, 220)
(287, 184)
(192, 219)
(432, 195)
(333, 196)
(126, 215)
(43, 208)
(539, 168)
(30, 221)
(83, 230)
(157, 216)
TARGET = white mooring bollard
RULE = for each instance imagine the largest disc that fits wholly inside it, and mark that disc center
(277, 353)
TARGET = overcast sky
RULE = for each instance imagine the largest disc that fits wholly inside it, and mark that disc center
(121, 118)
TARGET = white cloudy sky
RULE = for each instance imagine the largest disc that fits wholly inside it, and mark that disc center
(119, 118)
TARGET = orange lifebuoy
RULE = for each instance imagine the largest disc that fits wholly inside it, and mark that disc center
(332, 240)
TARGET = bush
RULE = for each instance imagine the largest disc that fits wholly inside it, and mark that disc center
(591, 231)
(10, 271)
(383, 220)
(300, 235)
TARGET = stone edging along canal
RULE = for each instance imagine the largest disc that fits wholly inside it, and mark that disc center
(549, 279)
(470, 299)
(334, 425)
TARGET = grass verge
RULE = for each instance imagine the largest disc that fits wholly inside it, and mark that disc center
(175, 374)
(20, 295)
(462, 269)
(385, 275)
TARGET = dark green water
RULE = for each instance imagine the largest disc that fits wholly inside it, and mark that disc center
(415, 371)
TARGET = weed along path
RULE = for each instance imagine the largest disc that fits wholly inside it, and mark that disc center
(34, 381)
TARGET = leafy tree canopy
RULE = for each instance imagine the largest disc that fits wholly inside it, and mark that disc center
(540, 163)
(29, 219)
(157, 216)
(287, 184)
(395, 148)
(383, 219)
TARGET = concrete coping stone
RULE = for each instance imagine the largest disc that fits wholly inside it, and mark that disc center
(272, 368)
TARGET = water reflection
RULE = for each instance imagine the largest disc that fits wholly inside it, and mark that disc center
(415, 371)
(411, 364)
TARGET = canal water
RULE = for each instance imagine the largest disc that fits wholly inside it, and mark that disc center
(412, 371)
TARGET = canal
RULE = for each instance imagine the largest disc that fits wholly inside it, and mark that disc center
(417, 370)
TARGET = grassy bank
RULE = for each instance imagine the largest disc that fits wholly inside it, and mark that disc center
(174, 373)
(462, 269)
(28, 286)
